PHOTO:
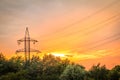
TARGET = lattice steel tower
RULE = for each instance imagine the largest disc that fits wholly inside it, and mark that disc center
(27, 48)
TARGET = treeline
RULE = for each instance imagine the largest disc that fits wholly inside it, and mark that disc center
(53, 68)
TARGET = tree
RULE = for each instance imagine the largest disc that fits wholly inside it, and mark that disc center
(73, 72)
(17, 62)
(3, 62)
(114, 74)
(2, 57)
(21, 75)
(35, 68)
(52, 67)
(98, 72)
(12, 65)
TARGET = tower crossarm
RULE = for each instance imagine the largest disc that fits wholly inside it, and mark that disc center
(20, 50)
(22, 40)
(31, 50)
(34, 50)
(33, 40)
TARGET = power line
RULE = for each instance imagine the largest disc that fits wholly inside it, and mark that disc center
(105, 22)
(87, 17)
(96, 27)
(98, 43)
(105, 41)
(107, 38)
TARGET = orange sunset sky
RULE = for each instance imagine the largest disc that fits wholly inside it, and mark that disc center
(87, 30)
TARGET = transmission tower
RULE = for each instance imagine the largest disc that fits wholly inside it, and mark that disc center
(27, 49)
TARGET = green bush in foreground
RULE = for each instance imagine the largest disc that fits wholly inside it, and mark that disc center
(53, 68)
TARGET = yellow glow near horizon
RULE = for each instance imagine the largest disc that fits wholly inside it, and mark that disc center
(58, 54)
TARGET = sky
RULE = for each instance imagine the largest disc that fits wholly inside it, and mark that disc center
(87, 31)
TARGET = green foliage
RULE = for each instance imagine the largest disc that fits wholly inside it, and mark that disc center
(114, 74)
(73, 72)
(2, 57)
(12, 65)
(21, 75)
(98, 72)
(52, 68)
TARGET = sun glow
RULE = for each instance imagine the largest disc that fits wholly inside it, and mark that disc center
(58, 54)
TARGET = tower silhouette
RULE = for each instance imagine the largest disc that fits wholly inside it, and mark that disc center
(27, 48)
